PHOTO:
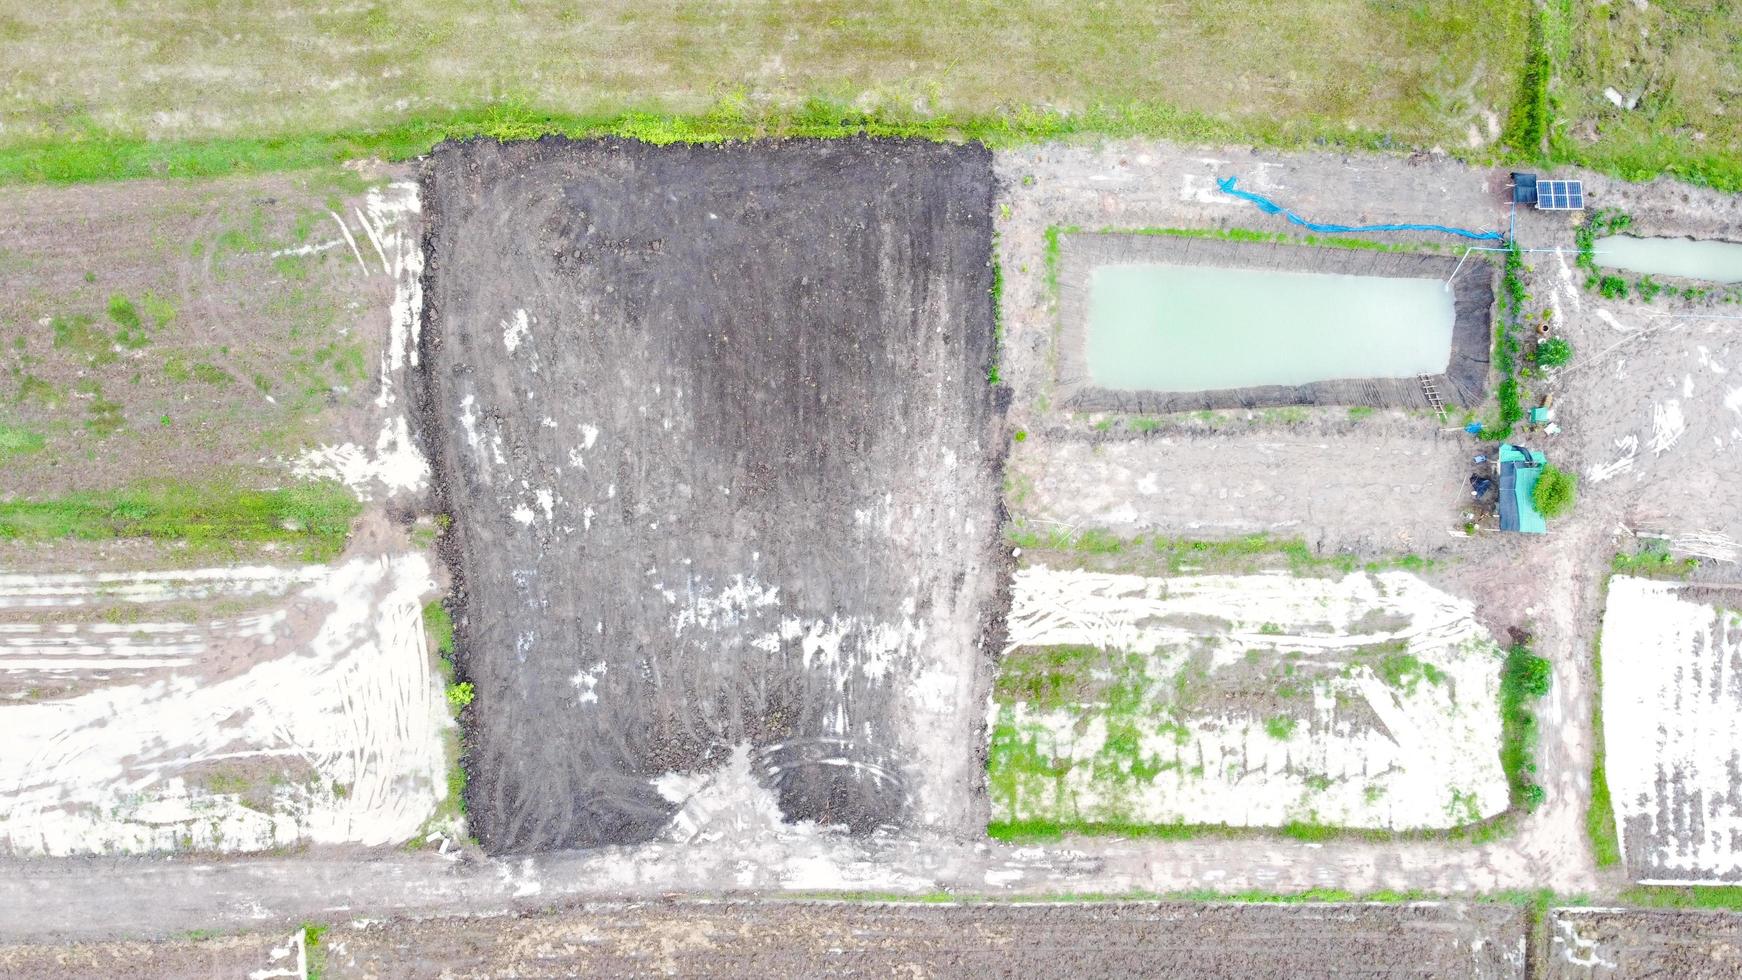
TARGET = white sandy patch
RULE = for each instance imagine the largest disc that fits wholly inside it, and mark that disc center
(351, 701)
(1672, 720)
(27, 591)
(394, 465)
(1427, 756)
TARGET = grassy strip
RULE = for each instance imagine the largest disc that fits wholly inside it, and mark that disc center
(1524, 679)
(95, 155)
(992, 376)
(1182, 554)
(1506, 347)
(314, 519)
(1600, 814)
(440, 627)
(1684, 897)
(1539, 899)
(1527, 128)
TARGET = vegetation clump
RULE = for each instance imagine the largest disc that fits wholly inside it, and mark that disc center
(1525, 677)
(1556, 490)
(1553, 352)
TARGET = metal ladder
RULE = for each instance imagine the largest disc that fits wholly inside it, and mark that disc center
(1433, 395)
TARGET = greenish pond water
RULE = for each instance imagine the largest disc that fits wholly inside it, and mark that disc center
(1686, 257)
(1193, 328)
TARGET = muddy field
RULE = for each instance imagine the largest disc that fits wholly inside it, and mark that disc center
(715, 430)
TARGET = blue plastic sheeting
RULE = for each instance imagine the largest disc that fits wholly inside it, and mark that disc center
(1268, 206)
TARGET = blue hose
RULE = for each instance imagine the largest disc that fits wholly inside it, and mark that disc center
(1268, 206)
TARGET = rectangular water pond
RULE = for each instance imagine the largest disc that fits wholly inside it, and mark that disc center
(1155, 323)
(1685, 258)
(1173, 328)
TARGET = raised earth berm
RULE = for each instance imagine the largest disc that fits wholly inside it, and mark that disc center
(714, 427)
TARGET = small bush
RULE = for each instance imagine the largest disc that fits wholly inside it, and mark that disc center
(1553, 352)
(1612, 287)
(461, 694)
(1555, 492)
(1648, 288)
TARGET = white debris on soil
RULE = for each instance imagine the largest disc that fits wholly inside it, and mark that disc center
(729, 813)
(338, 693)
(394, 465)
(515, 330)
(1667, 425)
(1418, 749)
(1627, 448)
(1672, 721)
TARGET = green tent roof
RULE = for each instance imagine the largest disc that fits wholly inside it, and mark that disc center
(1519, 470)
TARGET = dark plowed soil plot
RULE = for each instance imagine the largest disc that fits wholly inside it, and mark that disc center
(715, 430)
(793, 939)
(1687, 944)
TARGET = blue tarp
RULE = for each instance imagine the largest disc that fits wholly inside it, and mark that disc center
(1268, 206)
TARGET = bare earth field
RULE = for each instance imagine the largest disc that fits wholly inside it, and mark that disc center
(715, 429)
(748, 939)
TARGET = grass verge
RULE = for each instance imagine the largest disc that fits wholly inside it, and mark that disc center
(1600, 813)
(312, 519)
(452, 809)
(96, 156)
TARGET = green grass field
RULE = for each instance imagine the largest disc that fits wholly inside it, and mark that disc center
(274, 83)
(1678, 64)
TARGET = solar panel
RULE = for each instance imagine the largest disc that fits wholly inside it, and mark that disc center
(1560, 195)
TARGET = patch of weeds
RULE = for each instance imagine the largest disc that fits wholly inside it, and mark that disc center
(1653, 560)
(313, 518)
(460, 695)
(79, 335)
(1404, 671)
(1143, 424)
(103, 416)
(1359, 412)
(1553, 352)
(1021, 435)
(159, 309)
(314, 951)
(18, 441)
(181, 371)
(1280, 728)
(1612, 287)
(129, 328)
(1308, 830)
(1598, 224)
(1648, 288)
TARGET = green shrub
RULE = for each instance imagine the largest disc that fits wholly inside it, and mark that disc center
(1648, 288)
(1612, 287)
(1553, 352)
(1555, 492)
(461, 694)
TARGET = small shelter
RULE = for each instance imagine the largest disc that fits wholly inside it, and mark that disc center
(1519, 470)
